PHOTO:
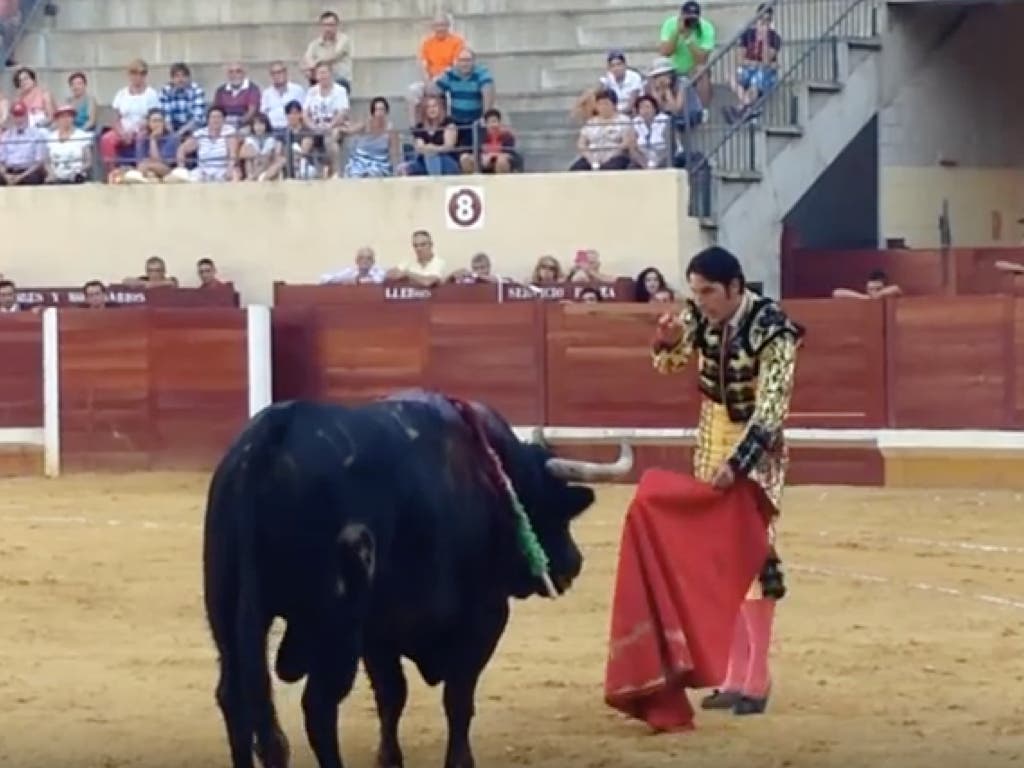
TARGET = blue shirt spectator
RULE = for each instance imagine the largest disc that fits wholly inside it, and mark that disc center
(183, 101)
(469, 88)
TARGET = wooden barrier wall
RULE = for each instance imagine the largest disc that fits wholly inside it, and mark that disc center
(167, 388)
(809, 273)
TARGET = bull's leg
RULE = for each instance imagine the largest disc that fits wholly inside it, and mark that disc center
(233, 709)
(470, 655)
(391, 692)
(330, 681)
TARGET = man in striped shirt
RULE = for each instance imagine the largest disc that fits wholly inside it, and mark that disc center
(470, 91)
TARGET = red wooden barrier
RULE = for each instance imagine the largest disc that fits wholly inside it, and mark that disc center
(223, 295)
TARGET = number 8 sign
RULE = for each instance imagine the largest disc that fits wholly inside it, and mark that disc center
(464, 207)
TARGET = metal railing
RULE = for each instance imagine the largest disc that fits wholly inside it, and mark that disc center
(11, 31)
(812, 32)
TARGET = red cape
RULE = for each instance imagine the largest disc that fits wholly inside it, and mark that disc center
(688, 555)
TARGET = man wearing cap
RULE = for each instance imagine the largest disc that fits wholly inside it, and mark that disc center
(688, 39)
(22, 151)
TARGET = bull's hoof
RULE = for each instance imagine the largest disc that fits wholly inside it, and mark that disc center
(389, 759)
(276, 754)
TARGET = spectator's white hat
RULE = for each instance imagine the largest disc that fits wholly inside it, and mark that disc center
(661, 66)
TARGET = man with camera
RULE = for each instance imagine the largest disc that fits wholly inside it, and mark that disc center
(688, 39)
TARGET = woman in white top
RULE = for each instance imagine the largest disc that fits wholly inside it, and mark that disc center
(262, 152)
(132, 105)
(653, 131)
(607, 138)
(325, 111)
(216, 149)
(68, 151)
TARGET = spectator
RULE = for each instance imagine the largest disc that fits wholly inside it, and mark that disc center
(22, 151)
(688, 39)
(183, 102)
(589, 296)
(648, 283)
(37, 100)
(332, 48)
(653, 130)
(374, 151)
(155, 277)
(206, 270)
(95, 295)
(305, 162)
(326, 111)
(132, 104)
(427, 269)
(434, 140)
(216, 150)
(674, 95)
(627, 83)
(876, 287)
(606, 139)
(277, 95)
(9, 297)
(547, 271)
(479, 271)
(156, 150)
(757, 73)
(497, 148)
(262, 152)
(365, 271)
(437, 55)
(587, 268)
(83, 102)
(69, 150)
(238, 99)
(663, 296)
(470, 91)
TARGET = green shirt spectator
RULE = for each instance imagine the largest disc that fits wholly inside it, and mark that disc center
(684, 32)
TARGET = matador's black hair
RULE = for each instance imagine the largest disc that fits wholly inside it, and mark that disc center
(717, 265)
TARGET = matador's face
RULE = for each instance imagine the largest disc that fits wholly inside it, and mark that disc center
(716, 301)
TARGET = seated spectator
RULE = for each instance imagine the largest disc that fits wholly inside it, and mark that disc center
(434, 141)
(277, 95)
(69, 150)
(606, 139)
(688, 40)
(653, 131)
(497, 148)
(262, 153)
(9, 297)
(326, 111)
(36, 98)
(648, 283)
(876, 287)
(22, 151)
(83, 102)
(305, 162)
(238, 98)
(426, 269)
(156, 150)
(663, 296)
(374, 150)
(437, 55)
(479, 271)
(587, 268)
(470, 91)
(132, 105)
(365, 271)
(547, 271)
(332, 48)
(627, 83)
(183, 102)
(756, 73)
(206, 271)
(589, 296)
(674, 95)
(216, 150)
(95, 295)
(155, 277)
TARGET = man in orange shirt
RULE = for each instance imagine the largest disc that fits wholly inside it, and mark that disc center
(437, 54)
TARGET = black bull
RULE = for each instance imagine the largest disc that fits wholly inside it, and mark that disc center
(375, 532)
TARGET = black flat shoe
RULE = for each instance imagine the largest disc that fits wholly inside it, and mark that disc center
(721, 700)
(748, 705)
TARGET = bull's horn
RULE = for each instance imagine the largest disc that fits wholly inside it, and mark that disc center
(592, 471)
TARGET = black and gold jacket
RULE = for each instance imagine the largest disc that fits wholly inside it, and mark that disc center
(752, 376)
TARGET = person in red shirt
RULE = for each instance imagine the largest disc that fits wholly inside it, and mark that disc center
(497, 148)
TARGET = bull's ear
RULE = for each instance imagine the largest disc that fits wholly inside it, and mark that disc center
(578, 499)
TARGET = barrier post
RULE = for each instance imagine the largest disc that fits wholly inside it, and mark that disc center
(51, 392)
(260, 369)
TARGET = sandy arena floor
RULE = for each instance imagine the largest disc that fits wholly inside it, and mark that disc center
(901, 643)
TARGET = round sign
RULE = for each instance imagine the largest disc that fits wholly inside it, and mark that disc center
(465, 208)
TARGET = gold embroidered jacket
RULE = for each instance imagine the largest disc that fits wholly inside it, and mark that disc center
(751, 380)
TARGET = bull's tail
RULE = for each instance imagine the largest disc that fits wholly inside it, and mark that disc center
(236, 610)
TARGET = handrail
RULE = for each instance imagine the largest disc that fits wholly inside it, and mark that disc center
(29, 9)
(822, 39)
